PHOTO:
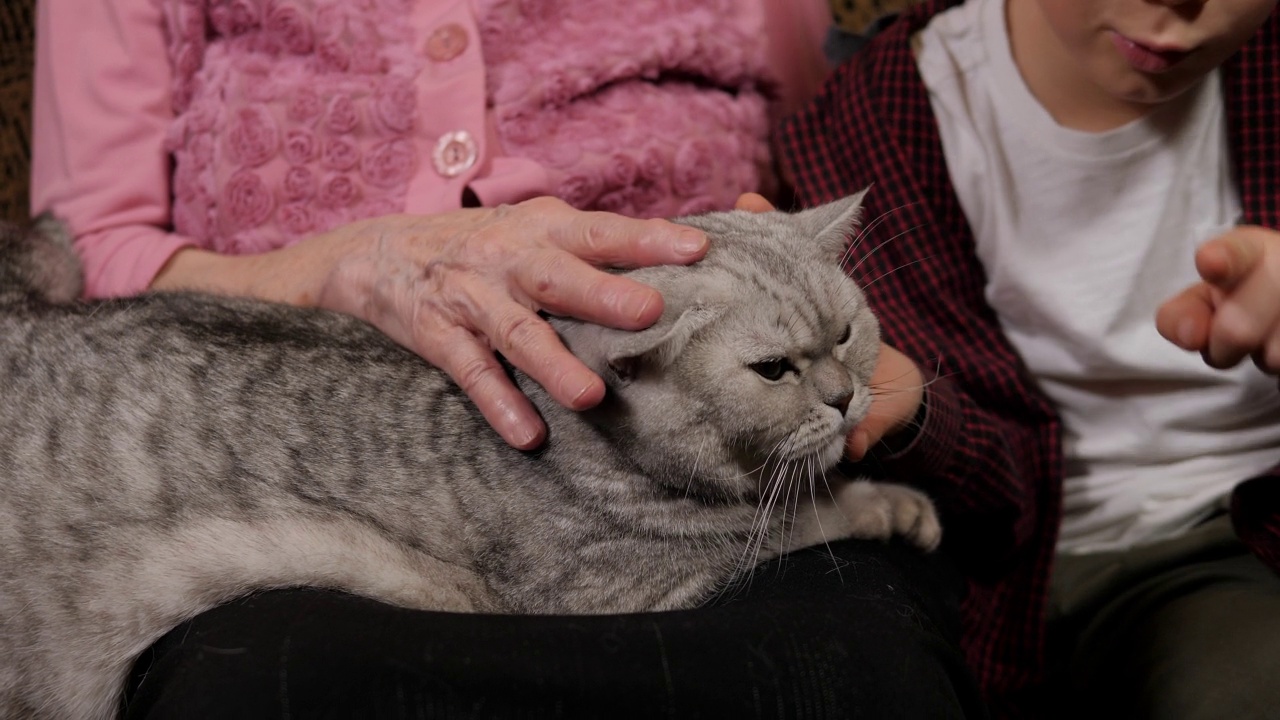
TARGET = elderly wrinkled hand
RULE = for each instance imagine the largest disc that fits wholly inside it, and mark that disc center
(1234, 311)
(456, 287)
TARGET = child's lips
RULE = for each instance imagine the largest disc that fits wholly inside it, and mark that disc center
(1148, 58)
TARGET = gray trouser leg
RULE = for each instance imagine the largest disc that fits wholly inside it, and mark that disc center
(1187, 629)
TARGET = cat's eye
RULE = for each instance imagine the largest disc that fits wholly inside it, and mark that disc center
(773, 368)
(848, 333)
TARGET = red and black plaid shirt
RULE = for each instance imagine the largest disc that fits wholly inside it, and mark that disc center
(991, 453)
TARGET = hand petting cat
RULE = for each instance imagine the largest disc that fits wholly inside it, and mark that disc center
(456, 287)
(1234, 312)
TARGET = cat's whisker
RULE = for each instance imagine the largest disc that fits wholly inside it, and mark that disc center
(882, 388)
(822, 532)
(900, 267)
(864, 228)
(760, 525)
(789, 507)
(865, 231)
(767, 506)
(879, 389)
(760, 519)
(777, 446)
(782, 505)
(697, 463)
(879, 247)
(804, 469)
(776, 483)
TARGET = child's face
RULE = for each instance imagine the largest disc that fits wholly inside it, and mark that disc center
(1148, 51)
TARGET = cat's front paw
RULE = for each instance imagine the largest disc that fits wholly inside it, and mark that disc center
(877, 511)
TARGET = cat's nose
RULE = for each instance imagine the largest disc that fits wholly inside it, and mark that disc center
(841, 403)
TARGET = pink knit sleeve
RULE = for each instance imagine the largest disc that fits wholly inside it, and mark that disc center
(101, 111)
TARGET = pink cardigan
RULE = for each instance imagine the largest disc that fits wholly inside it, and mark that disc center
(246, 125)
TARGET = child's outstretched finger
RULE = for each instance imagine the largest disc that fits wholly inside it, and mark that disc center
(1229, 259)
(1268, 358)
(1245, 322)
(1244, 267)
(1184, 319)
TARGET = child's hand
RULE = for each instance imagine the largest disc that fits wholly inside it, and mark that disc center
(897, 389)
(1235, 311)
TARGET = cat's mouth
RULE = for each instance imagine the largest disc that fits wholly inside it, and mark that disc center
(819, 453)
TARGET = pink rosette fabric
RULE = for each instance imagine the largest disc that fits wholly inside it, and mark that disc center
(299, 184)
(389, 164)
(296, 219)
(252, 138)
(580, 190)
(343, 115)
(395, 105)
(305, 105)
(300, 147)
(292, 116)
(235, 17)
(289, 29)
(340, 153)
(246, 201)
(339, 191)
(670, 115)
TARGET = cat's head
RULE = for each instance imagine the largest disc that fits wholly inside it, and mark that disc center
(760, 363)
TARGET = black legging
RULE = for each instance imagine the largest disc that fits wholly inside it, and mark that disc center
(877, 639)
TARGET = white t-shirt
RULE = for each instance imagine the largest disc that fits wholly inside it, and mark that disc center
(1082, 236)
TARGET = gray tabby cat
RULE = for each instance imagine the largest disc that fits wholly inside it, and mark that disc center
(161, 455)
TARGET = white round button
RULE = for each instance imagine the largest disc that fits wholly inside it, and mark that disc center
(455, 153)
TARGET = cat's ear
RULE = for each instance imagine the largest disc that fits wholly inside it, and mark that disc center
(659, 345)
(606, 349)
(830, 225)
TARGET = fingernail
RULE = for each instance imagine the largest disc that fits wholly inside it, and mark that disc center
(690, 242)
(636, 304)
(582, 391)
(525, 437)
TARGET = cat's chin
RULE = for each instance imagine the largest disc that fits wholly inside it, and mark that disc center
(832, 454)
